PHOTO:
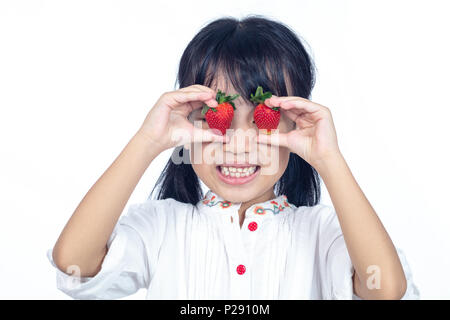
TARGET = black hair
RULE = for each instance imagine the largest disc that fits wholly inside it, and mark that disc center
(251, 52)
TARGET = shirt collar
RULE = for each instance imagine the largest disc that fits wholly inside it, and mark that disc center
(215, 203)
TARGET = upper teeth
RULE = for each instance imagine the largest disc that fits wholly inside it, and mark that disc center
(237, 171)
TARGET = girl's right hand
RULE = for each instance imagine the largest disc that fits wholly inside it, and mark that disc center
(167, 124)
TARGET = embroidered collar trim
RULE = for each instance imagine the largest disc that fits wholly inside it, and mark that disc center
(270, 207)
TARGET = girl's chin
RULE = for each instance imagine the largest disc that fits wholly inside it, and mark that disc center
(231, 175)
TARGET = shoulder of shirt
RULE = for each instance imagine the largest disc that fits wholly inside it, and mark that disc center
(152, 209)
(160, 204)
(320, 220)
(319, 213)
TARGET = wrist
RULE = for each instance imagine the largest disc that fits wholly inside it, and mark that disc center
(328, 165)
(147, 143)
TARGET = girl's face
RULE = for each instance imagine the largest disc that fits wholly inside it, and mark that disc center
(240, 170)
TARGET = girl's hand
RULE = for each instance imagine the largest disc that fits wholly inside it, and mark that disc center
(167, 126)
(314, 137)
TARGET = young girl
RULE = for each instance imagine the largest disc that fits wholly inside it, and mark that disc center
(261, 234)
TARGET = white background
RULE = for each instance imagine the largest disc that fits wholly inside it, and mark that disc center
(77, 79)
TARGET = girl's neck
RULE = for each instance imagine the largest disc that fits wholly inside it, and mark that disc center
(245, 205)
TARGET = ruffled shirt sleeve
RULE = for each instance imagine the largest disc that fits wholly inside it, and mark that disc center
(337, 269)
(129, 262)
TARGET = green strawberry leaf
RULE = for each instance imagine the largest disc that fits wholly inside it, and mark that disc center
(233, 96)
(206, 108)
(260, 96)
(221, 97)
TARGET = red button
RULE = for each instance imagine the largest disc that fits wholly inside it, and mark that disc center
(252, 226)
(240, 269)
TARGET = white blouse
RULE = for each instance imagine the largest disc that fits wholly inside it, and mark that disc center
(180, 251)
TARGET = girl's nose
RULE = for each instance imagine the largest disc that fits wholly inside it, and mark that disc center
(242, 136)
(243, 118)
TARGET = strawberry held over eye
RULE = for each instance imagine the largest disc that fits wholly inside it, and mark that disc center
(221, 116)
(265, 117)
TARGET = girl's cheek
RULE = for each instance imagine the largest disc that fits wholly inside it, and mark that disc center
(268, 154)
(211, 153)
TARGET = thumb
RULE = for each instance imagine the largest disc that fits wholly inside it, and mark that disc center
(275, 138)
(208, 135)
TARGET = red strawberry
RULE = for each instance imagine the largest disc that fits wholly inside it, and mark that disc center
(265, 117)
(221, 116)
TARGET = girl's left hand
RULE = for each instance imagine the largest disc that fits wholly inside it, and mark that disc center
(314, 137)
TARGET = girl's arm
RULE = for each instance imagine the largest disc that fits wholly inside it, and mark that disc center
(314, 139)
(83, 241)
(366, 239)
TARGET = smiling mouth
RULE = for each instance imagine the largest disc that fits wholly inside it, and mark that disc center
(237, 174)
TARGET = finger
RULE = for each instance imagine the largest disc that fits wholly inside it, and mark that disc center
(292, 102)
(303, 105)
(198, 136)
(272, 102)
(178, 98)
(208, 135)
(199, 87)
(195, 105)
(276, 138)
(300, 121)
(295, 115)
(276, 100)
